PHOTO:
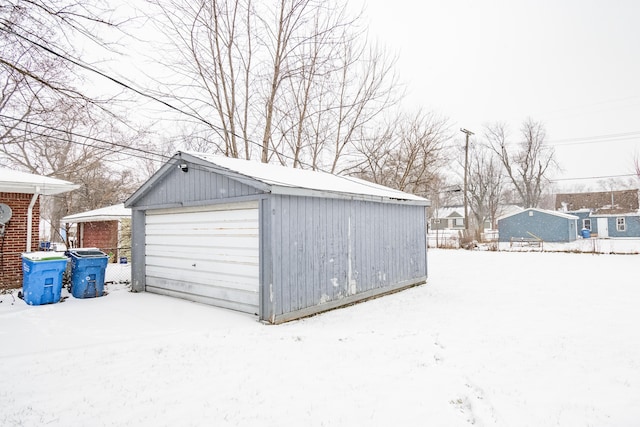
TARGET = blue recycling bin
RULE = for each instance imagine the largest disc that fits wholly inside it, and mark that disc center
(586, 233)
(88, 267)
(42, 276)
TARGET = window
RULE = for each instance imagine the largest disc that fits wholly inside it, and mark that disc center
(620, 224)
(458, 222)
(586, 223)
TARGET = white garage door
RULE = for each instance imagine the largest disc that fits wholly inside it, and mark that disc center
(208, 254)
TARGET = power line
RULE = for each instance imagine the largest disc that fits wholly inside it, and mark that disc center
(595, 177)
(87, 67)
(596, 139)
(122, 146)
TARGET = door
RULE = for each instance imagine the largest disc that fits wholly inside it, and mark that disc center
(603, 227)
(206, 254)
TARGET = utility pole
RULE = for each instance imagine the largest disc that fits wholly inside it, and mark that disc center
(466, 168)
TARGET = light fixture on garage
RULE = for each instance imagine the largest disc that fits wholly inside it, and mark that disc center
(183, 167)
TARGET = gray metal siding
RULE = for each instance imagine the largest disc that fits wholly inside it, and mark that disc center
(330, 250)
(315, 253)
(550, 228)
(138, 242)
(196, 185)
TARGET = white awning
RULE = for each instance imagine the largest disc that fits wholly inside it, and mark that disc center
(109, 213)
(12, 181)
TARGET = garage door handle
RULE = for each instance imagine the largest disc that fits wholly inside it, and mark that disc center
(193, 265)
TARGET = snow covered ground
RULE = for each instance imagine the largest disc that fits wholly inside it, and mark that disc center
(493, 338)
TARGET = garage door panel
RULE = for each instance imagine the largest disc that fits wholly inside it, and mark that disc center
(200, 241)
(205, 255)
(230, 304)
(239, 228)
(213, 253)
(221, 293)
(247, 277)
(231, 257)
(222, 218)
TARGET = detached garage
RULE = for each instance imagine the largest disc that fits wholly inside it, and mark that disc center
(277, 242)
(539, 224)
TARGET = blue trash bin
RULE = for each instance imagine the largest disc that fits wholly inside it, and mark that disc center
(88, 268)
(586, 233)
(42, 276)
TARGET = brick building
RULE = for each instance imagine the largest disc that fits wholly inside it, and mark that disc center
(108, 229)
(20, 192)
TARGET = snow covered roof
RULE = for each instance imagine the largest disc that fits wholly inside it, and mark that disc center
(545, 211)
(109, 213)
(283, 179)
(12, 181)
(278, 179)
(448, 212)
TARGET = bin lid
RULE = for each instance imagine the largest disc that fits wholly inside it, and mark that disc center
(44, 256)
(87, 253)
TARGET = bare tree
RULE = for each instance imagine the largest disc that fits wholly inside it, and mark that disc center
(49, 123)
(39, 42)
(407, 154)
(485, 187)
(526, 162)
(72, 146)
(283, 80)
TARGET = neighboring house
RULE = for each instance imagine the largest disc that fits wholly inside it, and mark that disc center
(452, 217)
(538, 225)
(108, 229)
(20, 193)
(447, 218)
(278, 242)
(605, 213)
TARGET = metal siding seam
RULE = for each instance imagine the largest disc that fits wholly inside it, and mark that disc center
(285, 248)
(294, 237)
(138, 250)
(309, 255)
(294, 234)
(276, 254)
(323, 231)
(344, 247)
(369, 250)
(265, 309)
(313, 261)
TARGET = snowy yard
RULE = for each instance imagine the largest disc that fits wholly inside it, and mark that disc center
(493, 338)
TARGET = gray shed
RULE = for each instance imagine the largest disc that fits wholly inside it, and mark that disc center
(539, 224)
(277, 242)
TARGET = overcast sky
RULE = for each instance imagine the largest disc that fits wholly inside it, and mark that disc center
(574, 65)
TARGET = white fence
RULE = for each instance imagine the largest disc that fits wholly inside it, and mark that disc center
(620, 245)
(444, 239)
(118, 273)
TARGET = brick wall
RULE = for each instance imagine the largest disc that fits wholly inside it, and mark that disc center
(15, 237)
(102, 235)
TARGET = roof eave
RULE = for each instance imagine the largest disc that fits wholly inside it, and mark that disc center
(297, 191)
(96, 218)
(44, 189)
